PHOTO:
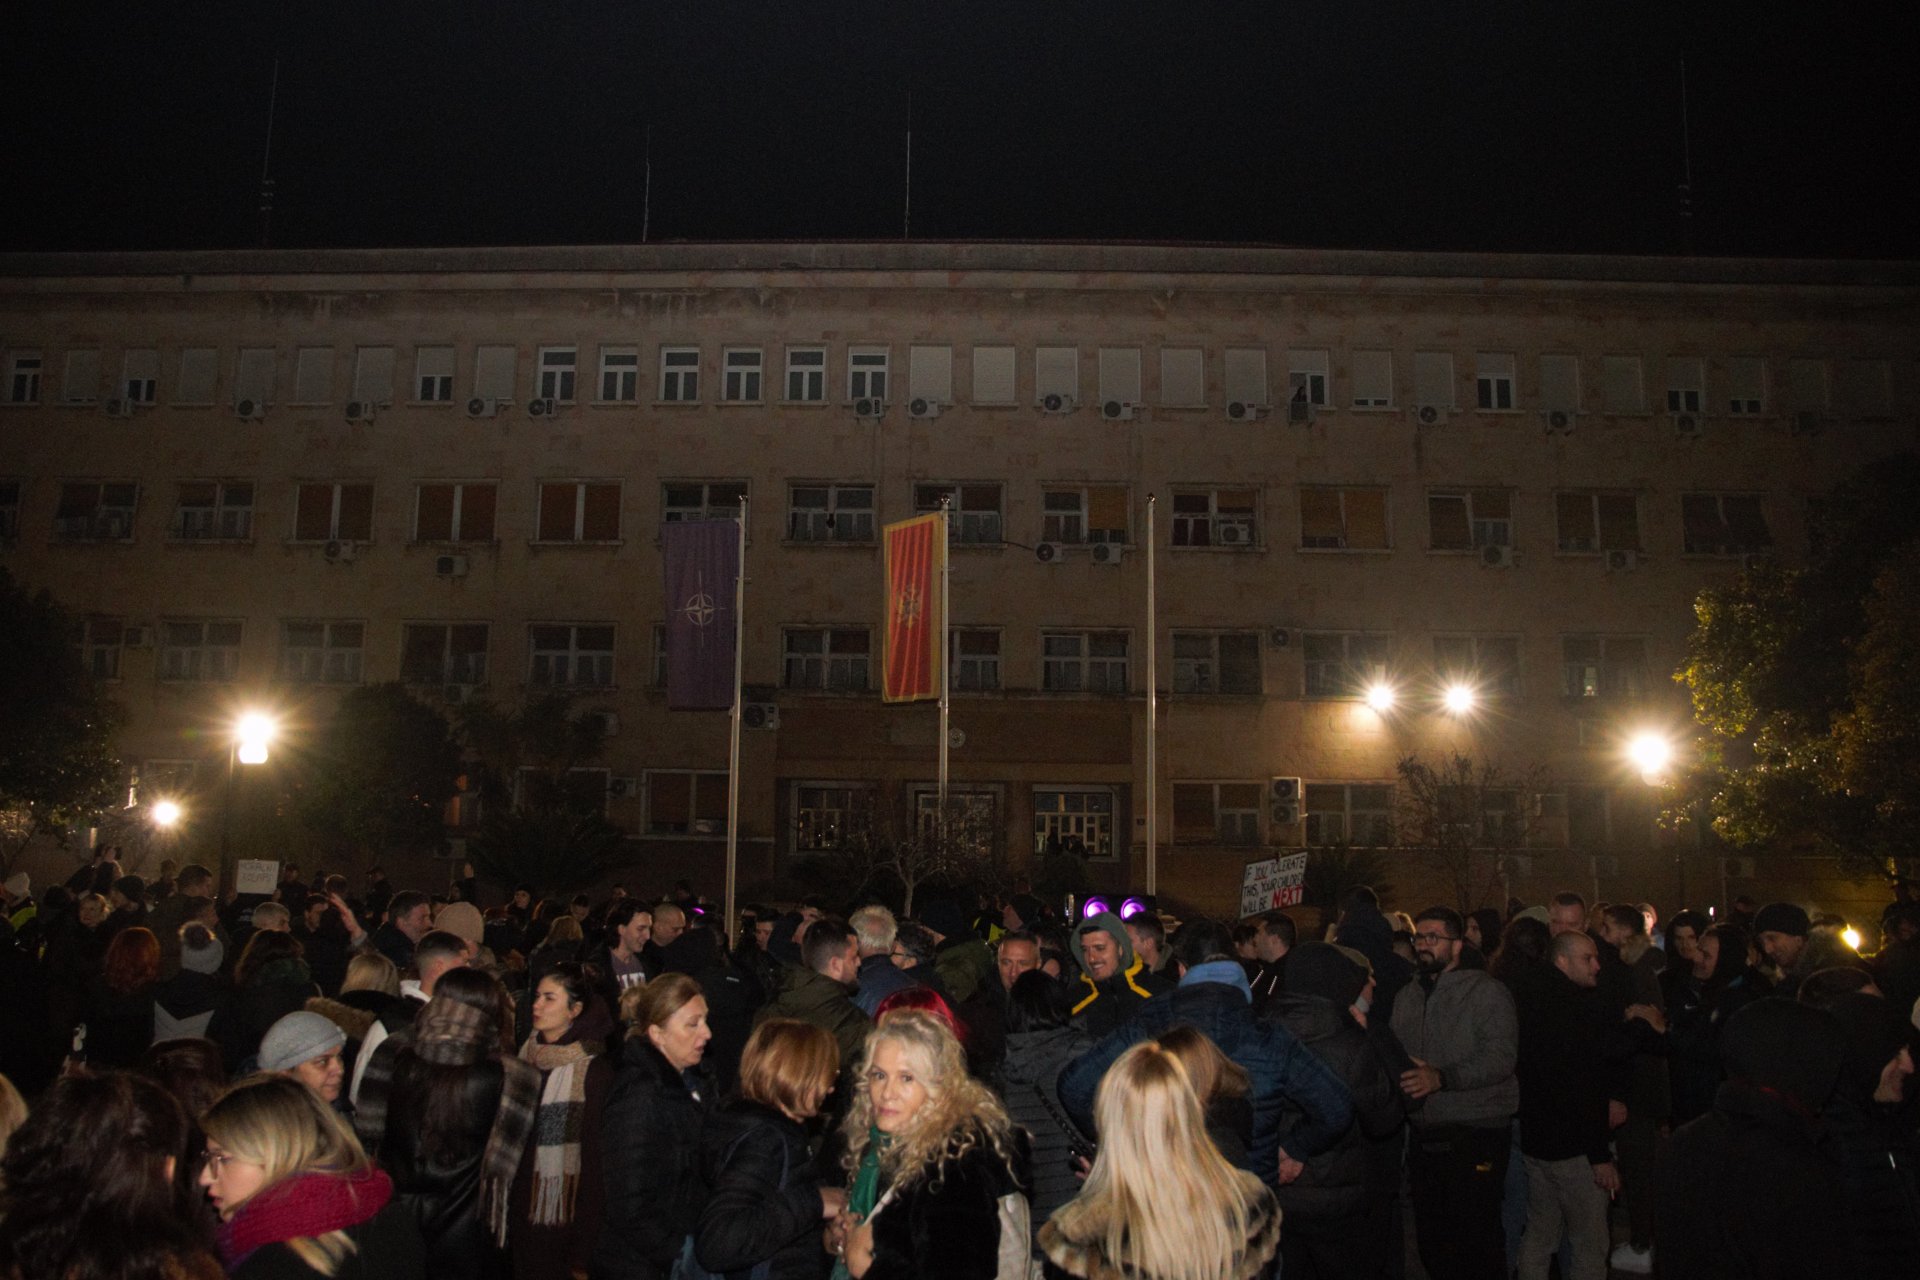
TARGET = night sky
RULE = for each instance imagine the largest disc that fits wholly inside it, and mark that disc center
(1445, 125)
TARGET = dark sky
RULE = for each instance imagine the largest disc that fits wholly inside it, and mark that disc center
(1442, 124)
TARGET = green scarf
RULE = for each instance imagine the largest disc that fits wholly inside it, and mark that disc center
(865, 1191)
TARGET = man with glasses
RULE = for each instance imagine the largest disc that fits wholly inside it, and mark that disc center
(1459, 1026)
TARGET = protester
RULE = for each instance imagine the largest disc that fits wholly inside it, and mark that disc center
(1716, 986)
(878, 977)
(819, 990)
(119, 1012)
(1113, 981)
(1869, 1131)
(184, 1004)
(270, 980)
(306, 1047)
(1041, 1040)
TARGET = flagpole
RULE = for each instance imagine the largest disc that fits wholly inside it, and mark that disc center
(1153, 714)
(733, 749)
(946, 658)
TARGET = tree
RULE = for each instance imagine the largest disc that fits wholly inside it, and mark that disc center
(1803, 686)
(379, 774)
(884, 848)
(57, 763)
(543, 820)
(1459, 816)
(1335, 870)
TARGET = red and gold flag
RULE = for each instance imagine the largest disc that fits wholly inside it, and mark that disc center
(915, 560)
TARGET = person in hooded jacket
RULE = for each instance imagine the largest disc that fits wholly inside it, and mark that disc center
(730, 997)
(961, 956)
(1338, 1210)
(1041, 1040)
(1715, 986)
(1865, 1134)
(184, 1004)
(1366, 930)
(1113, 981)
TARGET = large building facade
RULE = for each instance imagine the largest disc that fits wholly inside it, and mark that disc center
(262, 477)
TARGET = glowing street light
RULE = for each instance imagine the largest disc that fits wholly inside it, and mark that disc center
(1851, 936)
(1650, 753)
(1380, 696)
(252, 734)
(165, 814)
(1459, 699)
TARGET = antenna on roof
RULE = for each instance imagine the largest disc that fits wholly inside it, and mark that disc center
(906, 216)
(1686, 155)
(266, 159)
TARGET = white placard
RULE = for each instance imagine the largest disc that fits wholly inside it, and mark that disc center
(1274, 882)
(256, 876)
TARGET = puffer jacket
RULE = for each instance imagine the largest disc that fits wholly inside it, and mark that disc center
(752, 1215)
(650, 1157)
(1102, 1006)
(1339, 1180)
(1032, 1066)
(818, 1000)
(945, 1223)
(1466, 1027)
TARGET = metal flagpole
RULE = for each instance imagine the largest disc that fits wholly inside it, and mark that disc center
(1153, 714)
(946, 655)
(733, 749)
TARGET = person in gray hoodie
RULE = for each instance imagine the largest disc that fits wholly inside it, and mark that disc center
(1459, 1026)
(1113, 980)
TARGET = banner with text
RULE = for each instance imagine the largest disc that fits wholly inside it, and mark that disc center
(1276, 882)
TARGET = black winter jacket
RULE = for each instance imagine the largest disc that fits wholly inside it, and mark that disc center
(1032, 1066)
(388, 1248)
(751, 1215)
(650, 1156)
(1340, 1181)
(1563, 1067)
(945, 1225)
(439, 1177)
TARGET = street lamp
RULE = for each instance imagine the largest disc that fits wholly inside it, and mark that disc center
(1459, 699)
(1650, 753)
(247, 744)
(1380, 696)
(165, 814)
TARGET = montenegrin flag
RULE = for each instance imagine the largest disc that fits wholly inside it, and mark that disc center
(916, 555)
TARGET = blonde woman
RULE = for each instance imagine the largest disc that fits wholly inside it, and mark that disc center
(932, 1154)
(1162, 1203)
(296, 1195)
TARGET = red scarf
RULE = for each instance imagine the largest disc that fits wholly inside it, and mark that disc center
(307, 1204)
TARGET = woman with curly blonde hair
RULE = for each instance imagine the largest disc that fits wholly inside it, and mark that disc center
(933, 1156)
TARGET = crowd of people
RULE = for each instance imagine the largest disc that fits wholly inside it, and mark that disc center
(387, 1083)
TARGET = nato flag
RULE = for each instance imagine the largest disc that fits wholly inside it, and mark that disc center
(703, 559)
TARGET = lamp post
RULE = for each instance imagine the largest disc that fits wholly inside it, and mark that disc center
(246, 744)
(1652, 754)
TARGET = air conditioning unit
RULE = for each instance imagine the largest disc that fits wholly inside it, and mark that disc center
(1284, 805)
(450, 566)
(1055, 402)
(1235, 535)
(1807, 422)
(1117, 410)
(118, 407)
(1245, 411)
(1107, 552)
(923, 407)
(249, 410)
(1686, 426)
(1049, 552)
(456, 694)
(1737, 868)
(759, 715)
(360, 410)
(1622, 561)
(1497, 557)
(1279, 637)
(139, 636)
(542, 407)
(869, 407)
(482, 407)
(622, 788)
(1429, 415)
(339, 552)
(1559, 422)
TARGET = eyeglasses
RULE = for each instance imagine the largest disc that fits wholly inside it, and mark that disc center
(219, 1160)
(1434, 937)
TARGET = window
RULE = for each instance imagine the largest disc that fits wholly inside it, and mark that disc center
(1216, 812)
(571, 655)
(579, 511)
(433, 375)
(96, 642)
(993, 375)
(1866, 388)
(1487, 664)
(975, 513)
(199, 376)
(1621, 388)
(833, 658)
(1597, 521)
(1056, 372)
(1344, 664)
(1724, 524)
(96, 511)
(1244, 375)
(824, 816)
(333, 512)
(313, 375)
(975, 661)
(702, 500)
(1433, 378)
(1686, 384)
(830, 513)
(9, 509)
(683, 802)
(1468, 519)
(619, 375)
(1560, 383)
(23, 377)
(1074, 820)
(214, 510)
(493, 369)
(1372, 379)
(1359, 813)
(1079, 514)
(321, 652)
(680, 375)
(455, 511)
(972, 815)
(1493, 380)
(558, 369)
(444, 653)
(659, 656)
(1343, 519)
(742, 367)
(81, 382)
(930, 374)
(140, 376)
(807, 374)
(1210, 662)
(373, 375)
(1307, 378)
(1215, 518)
(867, 373)
(1183, 377)
(1083, 661)
(204, 651)
(1746, 386)
(1807, 385)
(253, 378)
(1119, 372)
(1603, 666)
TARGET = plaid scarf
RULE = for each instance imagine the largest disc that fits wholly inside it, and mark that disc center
(558, 1127)
(449, 1034)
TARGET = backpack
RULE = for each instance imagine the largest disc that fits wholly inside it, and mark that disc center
(688, 1266)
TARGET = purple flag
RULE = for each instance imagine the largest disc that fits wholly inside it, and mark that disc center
(703, 559)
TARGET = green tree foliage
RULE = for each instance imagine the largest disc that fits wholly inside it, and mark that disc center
(1805, 685)
(57, 763)
(377, 777)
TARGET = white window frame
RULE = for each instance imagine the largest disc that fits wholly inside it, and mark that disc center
(225, 520)
(199, 660)
(1686, 384)
(930, 372)
(1485, 663)
(1747, 386)
(307, 379)
(327, 662)
(140, 375)
(1602, 674)
(1319, 815)
(839, 809)
(679, 375)
(24, 373)
(1119, 374)
(996, 374)
(696, 778)
(841, 518)
(1363, 657)
(98, 642)
(1596, 540)
(1068, 663)
(743, 372)
(725, 507)
(496, 370)
(558, 374)
(976, 526)
(1066, 515)
(433, 383)
(1482, 530)
(1368, 362)
(1233, 828)
(1183, 367)
(459, 487)
(1070, 822)
(869, 375)
(806, 375)
(1203, 674)
(978, 671)
(256, 375)
(1186, 524)
(1433, 380)
(373, 374)
(1720, 499)
(1346, 536)
(333, 534)
(468, 669)
(1495, 388)
(1056, 372)
(1310, 369)
(809, 662)
(619, 376)
(580, 489)
(80, 376)
(107, 521)
(573, 665)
